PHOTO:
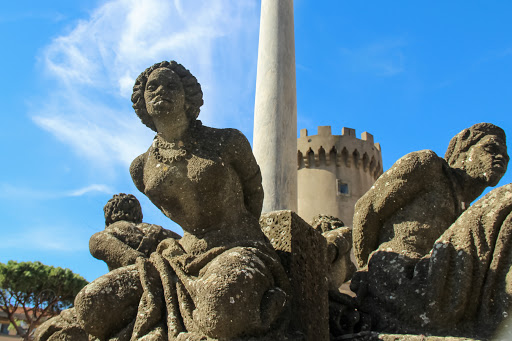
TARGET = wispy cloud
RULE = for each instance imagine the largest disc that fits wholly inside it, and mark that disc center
(94, 129)
(14, 192)
(90, 189)
(94, 67)
(384, 58)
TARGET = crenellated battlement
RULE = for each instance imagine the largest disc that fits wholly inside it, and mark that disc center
(345, 150)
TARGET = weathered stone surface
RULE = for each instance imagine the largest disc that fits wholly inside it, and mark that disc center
(374, 336)
(421, 195)
(302, 251)
(402, 337)
(106, 305)
(222, 280)
(339, 264)
(64, 327)
(339, 244)
(324, 223)
(427, 266)
(126, 237)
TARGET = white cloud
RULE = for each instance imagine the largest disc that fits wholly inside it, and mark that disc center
(384, 58)
(90, 189)
(93, 129)
(95, 65)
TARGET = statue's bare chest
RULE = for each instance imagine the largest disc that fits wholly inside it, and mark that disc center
(193, 174)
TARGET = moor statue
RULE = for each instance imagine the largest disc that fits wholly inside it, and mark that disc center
(431, 190)
(429, 262)
(222, 279)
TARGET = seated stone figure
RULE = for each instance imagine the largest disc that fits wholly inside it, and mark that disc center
(339, 243)
(427, 267)
(222, 279)
(125, 236)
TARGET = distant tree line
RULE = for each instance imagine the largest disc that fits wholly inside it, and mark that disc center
(37, 291)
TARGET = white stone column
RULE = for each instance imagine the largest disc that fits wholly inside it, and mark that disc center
(275, 111)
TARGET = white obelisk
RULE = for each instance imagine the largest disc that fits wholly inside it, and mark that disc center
(275, 111)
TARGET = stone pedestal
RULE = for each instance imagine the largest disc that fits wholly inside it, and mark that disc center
(275, 109)
(303, 254)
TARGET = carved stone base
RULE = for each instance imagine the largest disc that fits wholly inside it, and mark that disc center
(303, 254)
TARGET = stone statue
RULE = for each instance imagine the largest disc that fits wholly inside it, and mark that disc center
(339, 270)
(421, 195)
(430, 264)
(339, 243)
(222, 279)
(126, 237)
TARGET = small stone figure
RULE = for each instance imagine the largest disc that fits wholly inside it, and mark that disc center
(427, 267)
(339, 244)
(340, 269)
(125, 236)
(222, 279)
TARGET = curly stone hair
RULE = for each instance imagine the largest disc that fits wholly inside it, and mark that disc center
(463, 141)
(123, 207)
(323, 223)
(193, 92)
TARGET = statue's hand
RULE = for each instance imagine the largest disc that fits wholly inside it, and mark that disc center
(129, 256)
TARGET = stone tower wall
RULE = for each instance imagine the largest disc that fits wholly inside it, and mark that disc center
(334, 171)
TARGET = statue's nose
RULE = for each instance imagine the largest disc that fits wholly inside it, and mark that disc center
(160, 90)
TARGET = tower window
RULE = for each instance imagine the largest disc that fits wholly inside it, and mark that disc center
(342, 187)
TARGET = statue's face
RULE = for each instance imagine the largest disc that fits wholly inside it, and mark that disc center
(164, 95)
(487, 160)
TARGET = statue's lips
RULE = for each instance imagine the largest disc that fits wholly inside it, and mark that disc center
(161, 99)
(499, 163)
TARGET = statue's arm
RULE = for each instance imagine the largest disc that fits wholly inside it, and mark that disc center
(242, 160)
(106, 247)
(396, 188)
(153, 235)
(137, 171)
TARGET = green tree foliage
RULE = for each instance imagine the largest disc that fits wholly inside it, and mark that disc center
(36, 290)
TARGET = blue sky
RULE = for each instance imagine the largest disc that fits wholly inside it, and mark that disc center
(411, 73)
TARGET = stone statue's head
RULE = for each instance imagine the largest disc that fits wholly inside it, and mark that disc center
(123, 207)
(480, 151)
(323, 223)
(192, 91)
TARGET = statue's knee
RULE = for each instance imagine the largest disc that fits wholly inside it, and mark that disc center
(118, 291)
(237, 295)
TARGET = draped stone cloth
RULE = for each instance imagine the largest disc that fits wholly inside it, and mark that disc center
(462, 287)
(175, 284)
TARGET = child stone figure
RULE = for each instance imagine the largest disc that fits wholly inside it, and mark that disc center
(125, 236)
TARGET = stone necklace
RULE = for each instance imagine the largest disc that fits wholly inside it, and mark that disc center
(166, 152)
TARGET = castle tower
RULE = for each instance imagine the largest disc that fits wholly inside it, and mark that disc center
(334, 171)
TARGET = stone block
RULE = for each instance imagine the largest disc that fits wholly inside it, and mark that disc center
(348, 132)
(324, 130)
(366, 136)
(303, 254)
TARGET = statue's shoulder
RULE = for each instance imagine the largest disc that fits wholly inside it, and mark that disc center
(225, 140)
(422, 161)
(223, 134)
(137, 171)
